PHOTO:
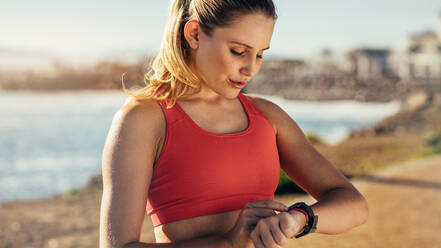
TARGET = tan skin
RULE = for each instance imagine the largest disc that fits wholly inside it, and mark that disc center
(137, 135)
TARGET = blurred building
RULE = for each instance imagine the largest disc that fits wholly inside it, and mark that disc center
(419, 56)
(367, 63)
(329, 63)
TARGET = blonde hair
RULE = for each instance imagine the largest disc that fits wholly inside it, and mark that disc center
(170, 76)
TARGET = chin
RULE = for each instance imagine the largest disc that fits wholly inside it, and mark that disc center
(232, 94)
(229, 93)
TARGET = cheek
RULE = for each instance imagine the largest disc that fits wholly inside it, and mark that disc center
(226, 63)
(215, 65)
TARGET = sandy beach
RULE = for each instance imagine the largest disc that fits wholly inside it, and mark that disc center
(404, 210)
(404, 203)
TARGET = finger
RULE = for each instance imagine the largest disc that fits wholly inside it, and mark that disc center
(278, 236)
(258, 212)
(267, 204)
(253, 215)
(267, 237)
(287, 225)
(251, 224)
(263, 230)
(257, 241)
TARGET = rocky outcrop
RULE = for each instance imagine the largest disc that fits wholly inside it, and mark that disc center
(289, 79)
(421, 114)
(296, 81)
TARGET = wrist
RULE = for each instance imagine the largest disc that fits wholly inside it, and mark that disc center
(300, 218)
(311, 218)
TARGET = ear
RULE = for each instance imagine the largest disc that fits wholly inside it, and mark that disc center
(191, 33)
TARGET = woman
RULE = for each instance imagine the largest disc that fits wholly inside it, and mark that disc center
(201, 157)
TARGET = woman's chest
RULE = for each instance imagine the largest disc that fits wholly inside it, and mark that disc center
(219, 166)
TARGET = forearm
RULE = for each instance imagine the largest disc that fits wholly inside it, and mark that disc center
(215, 241)
(340, 210)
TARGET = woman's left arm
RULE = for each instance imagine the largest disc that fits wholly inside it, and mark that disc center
(339, 206)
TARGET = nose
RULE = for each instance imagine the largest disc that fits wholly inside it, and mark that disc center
(249, 69)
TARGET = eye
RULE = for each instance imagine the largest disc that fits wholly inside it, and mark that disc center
(236, 53)
(240, 54)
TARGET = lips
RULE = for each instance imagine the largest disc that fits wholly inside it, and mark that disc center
(243, 81)
(238, 84)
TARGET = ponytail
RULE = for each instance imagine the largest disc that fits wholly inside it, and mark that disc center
(170, 76)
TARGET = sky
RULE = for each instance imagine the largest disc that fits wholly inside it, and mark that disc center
(35, 32)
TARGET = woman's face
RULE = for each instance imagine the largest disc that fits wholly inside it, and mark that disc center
(232, 53)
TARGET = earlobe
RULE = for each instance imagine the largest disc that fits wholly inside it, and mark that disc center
(191, 33)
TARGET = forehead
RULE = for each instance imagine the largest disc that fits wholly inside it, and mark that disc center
(254, 30)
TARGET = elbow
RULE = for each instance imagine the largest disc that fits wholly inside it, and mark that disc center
(364, 210)
(360, 209)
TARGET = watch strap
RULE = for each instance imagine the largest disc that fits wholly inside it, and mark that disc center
(311, 226)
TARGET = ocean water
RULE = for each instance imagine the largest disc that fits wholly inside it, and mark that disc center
(52, 142)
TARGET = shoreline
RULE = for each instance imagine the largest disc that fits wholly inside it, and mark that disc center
(388, 164)
(354, 137)
(319, 100)
(73, 189)
(359, 181)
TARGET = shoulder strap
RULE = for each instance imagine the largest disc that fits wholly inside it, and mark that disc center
(248, 104)
(172, 114)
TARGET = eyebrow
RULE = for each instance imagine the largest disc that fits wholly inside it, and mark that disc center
(243, 44)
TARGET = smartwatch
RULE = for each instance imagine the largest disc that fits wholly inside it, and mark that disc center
(311, 226)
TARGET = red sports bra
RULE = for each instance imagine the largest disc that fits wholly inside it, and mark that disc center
(203, 173)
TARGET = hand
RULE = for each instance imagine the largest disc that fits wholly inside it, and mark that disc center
(251, 213)
(276, 230)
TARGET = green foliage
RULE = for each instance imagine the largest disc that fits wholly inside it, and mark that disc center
(314, 139)
(435, 144)
(435, 141)
(286, 185)
(72, 193)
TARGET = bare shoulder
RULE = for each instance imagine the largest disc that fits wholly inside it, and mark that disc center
(134, 136)
(127, 166)
(140, 113)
